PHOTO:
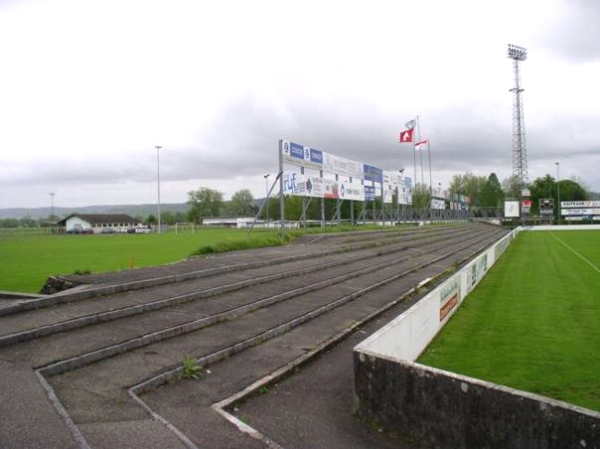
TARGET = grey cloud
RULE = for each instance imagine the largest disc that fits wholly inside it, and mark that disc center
(575, 36)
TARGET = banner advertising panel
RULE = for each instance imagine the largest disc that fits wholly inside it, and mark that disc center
(580, 204)
(373, 173)
(449, 296)
(299, 155)
(438, 204)
(388, 195)
(585, 211)
(511, 209)
(342, 166)
(476, 271)
(369, 193)
(352, 191)
(295, 183)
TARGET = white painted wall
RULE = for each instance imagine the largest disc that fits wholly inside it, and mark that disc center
(76, 222)
(408, 335)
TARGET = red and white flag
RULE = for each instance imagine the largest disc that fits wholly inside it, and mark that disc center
(406, 136)
(422, 145)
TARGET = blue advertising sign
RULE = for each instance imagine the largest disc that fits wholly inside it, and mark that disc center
(373, 173)
(298, 155)
(316, 156)
(296, 150)
(369, 193)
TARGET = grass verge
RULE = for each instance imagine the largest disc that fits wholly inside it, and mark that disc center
(29, 257)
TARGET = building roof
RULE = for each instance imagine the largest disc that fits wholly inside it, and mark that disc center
(96, 219)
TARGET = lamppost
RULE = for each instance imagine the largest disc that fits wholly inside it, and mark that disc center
(158, 147)
(267, 193)
(51, 206)
(558, 188)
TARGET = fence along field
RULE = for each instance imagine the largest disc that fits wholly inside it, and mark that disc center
(533, 323)
(29, 257)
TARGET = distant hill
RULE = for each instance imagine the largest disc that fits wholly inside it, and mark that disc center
(135, 210)
(142, 210)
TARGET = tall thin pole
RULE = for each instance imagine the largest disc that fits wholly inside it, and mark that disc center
(558, 188)
(158, 147)
(52, 206)
(420, 153)
(267, 193)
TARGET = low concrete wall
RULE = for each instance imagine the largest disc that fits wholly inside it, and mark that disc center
(439, 409)
(408, 335)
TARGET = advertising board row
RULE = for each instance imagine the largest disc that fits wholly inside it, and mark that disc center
(314, 173)
(587, 208)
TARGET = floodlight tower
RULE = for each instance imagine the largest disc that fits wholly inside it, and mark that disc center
(519, 151)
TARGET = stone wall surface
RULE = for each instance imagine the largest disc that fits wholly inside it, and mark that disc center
(439, 409)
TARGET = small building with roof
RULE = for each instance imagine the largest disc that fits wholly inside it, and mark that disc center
(98, 223)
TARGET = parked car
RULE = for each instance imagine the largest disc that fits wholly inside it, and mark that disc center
(87, 231)
(142, 230)
(108, 231)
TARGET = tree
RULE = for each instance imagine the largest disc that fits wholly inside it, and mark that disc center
(420, 197)
(571, 191)
(204, 202)
(242, 203)
(512, 187)
(468, 185)
(491, 195)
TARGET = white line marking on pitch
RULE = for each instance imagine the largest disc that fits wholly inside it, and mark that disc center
(576, 253)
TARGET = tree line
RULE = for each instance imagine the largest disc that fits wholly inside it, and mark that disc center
(484, 193)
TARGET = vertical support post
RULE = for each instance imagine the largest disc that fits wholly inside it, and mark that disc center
(281, 199)
(158, 147)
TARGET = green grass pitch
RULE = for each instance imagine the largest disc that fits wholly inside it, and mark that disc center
(28, 258)
(533, 323)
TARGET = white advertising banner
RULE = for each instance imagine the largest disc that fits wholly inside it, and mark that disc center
(579, 204)
(511, 209)
(352, 191)
(295, 183)
(586, 211)
(388, 195)
(438, 204)
(342, 166)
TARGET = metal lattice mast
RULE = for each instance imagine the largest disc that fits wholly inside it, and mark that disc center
(519, 149)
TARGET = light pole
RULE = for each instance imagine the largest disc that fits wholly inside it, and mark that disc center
(158, 147)
(558, 188)
(267, 193)
(51, 206)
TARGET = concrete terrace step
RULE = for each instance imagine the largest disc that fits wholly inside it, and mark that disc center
(96, 397)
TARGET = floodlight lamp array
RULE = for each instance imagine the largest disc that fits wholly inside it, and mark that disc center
(517, 53)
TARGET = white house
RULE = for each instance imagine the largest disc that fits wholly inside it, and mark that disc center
(98, 223)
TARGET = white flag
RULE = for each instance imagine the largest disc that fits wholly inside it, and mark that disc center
(422, 145)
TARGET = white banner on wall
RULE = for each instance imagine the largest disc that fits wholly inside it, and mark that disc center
(580, 204)
(511, 209)
(585, 211)
(438, 204)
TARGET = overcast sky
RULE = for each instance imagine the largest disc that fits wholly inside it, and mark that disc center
(89, 87)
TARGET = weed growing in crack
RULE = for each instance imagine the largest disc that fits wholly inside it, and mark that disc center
(191, 369)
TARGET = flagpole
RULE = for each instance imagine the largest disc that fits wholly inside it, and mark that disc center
(430, 176)
(429, 155)
(415, 164)
(420, 152)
